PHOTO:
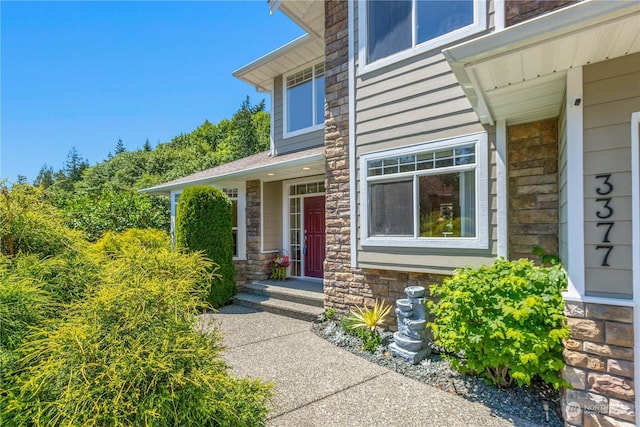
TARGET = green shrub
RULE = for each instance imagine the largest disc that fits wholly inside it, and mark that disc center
(204, 223)
(507, 321)
(131, 354)
(23, 304)
(114, 244)
(95, 214)
(30, 224)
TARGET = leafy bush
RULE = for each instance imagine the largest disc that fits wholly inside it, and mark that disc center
(507, 321)
(204, 223)
(30, 224)
(95, 214)
(131, 354)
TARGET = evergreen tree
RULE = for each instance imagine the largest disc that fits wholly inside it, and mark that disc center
(120, 147)
(45, 178)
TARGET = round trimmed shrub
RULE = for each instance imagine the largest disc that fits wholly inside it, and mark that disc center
(204, 223)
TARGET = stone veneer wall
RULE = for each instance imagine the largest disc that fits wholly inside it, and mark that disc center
(522, 10)
(258, 264)
(533, 188)
(344, 286)
(600, 367)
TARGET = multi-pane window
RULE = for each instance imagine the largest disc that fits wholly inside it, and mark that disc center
(304, 94)
(232, 193)
(425, 195)
(399, 25)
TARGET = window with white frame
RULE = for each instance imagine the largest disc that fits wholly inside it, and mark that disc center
(304, 100)
(232, 194)
(411, 26)
(432, 195)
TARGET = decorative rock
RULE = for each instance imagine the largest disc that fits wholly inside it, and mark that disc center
(410, 341)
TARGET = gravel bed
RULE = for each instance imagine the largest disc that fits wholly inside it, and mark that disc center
(522, 402)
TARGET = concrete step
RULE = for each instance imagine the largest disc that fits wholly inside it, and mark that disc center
(278, 306)
(300, 296)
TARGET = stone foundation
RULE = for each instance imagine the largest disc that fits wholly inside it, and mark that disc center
(600, 366)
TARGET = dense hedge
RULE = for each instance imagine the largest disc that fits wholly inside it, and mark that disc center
(204, 223)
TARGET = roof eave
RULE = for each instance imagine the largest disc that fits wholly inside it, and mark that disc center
(165, 189)
(266, 85)
(464, 57)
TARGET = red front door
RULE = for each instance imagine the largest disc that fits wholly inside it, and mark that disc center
(314, 241)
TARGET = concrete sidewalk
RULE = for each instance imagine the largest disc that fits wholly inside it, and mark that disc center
(319, 384)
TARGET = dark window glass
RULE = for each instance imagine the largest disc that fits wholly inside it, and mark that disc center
(391, 209)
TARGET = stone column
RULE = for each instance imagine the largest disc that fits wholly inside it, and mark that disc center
(533, 188)
(258, 264)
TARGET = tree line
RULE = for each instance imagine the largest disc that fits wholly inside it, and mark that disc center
(102, 197)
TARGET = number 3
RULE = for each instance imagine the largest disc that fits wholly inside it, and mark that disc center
(609, 187)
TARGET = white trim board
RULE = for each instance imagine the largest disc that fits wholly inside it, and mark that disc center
(635, 209)
(575, 186)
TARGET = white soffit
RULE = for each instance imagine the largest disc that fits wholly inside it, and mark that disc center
(261, 72)
(519, 74)
(308, 14)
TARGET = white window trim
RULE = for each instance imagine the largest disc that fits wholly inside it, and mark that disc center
(242, 216)
(285, 106)
(481, 241)
(479, 25)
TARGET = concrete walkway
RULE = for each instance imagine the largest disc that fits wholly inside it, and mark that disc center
(319, 384)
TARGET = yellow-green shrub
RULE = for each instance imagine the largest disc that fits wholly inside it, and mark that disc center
(131, 354)
(506, 320)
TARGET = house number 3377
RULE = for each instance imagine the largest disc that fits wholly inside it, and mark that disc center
(604, 214)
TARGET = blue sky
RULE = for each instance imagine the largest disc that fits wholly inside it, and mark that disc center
(85, 74)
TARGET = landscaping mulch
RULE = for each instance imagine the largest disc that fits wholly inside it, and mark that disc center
(523, 402)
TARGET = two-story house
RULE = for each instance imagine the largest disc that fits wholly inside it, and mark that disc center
(410, 138)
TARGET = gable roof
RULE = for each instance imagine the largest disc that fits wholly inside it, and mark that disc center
(259, 166)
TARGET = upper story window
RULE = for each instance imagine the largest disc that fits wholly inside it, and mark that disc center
(432, 195)
(304, 100)
(397, 29)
